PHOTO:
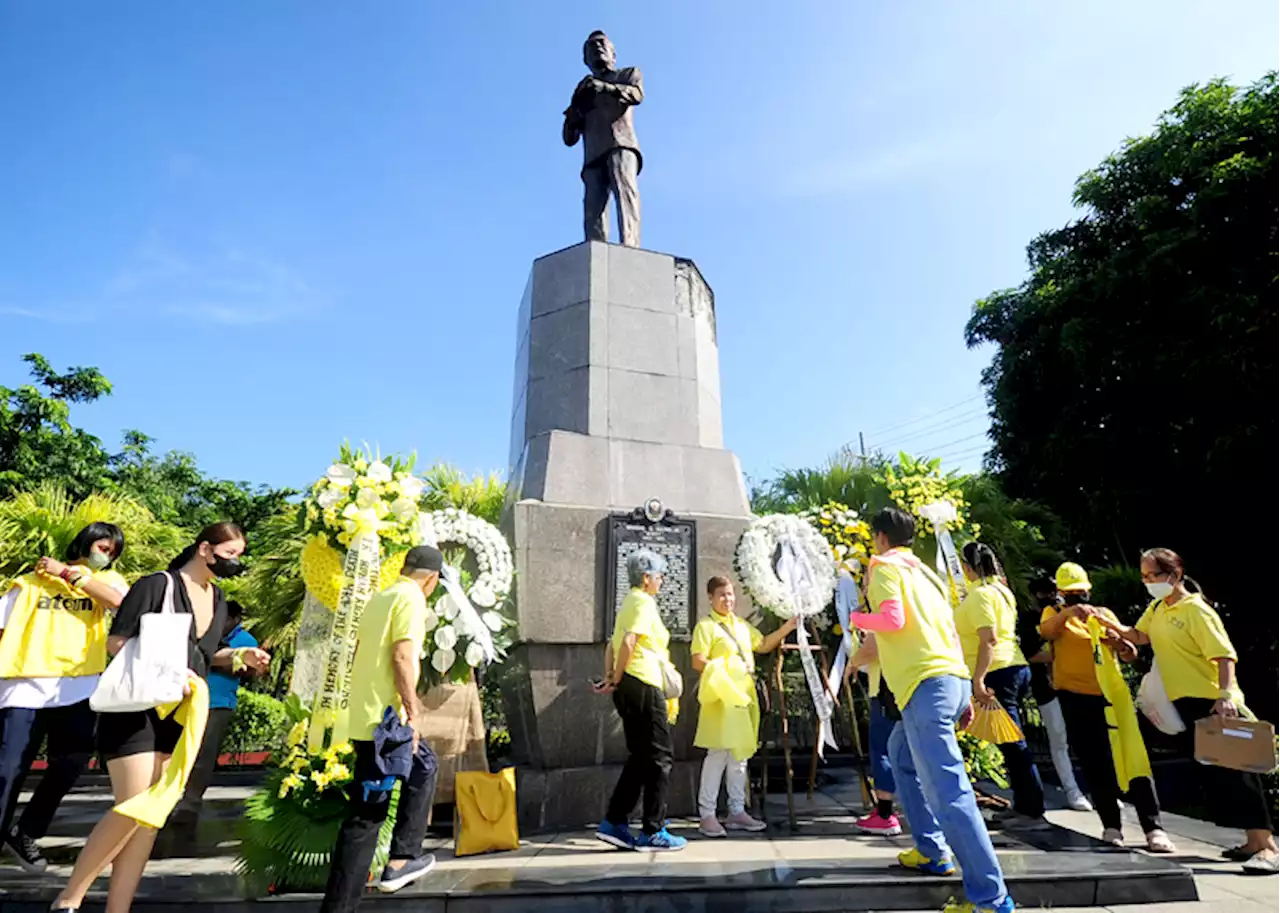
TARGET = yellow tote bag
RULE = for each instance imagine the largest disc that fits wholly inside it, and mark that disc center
(485, 812)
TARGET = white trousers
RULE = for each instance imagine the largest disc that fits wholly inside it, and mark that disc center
(1056, 726)
(720, 764)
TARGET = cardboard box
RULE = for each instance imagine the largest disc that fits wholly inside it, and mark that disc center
(1236, 744)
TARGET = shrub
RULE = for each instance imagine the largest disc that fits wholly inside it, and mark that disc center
(260, 724)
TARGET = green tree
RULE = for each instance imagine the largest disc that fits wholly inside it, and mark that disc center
(1135, 370)
(42, 522)
(175, 489)
(37, 440)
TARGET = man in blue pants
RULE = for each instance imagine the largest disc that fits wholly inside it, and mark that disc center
(921, 660)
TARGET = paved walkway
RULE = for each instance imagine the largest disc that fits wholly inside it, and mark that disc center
(821, 852)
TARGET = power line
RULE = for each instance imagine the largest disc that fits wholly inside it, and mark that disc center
(926, 417)
(963, 418)
(959, 455)
(943, 448)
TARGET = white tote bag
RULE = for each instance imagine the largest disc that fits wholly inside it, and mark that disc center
(151, 669)
(1154, 703)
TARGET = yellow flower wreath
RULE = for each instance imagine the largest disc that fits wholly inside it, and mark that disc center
(322, 570)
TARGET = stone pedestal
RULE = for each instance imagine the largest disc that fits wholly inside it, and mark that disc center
(617, 400)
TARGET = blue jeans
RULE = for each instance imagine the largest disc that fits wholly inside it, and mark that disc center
(878, 729)
(1011, 685)
(931, 778)
(17, 726)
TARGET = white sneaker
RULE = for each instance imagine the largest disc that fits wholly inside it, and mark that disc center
(1158, 842)
(711, 827)
(1113, 836)
(741, 821)
(1079, 802)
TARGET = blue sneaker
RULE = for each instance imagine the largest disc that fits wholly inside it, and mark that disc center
(662, 842)
(393, 880)
(618, 835)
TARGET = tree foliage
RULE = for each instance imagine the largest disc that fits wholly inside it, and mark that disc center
(1133, 385)
(42, 522)
(37, 440)
(39, 446)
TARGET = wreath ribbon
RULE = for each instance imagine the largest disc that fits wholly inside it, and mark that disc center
(797, 573)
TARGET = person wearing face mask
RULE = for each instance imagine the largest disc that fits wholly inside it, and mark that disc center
(986, 621)
(724, 648)
(53, 646)
(384, 677)
(137, 745)
(1040, 660)
(1092, 714)
(1198, 670)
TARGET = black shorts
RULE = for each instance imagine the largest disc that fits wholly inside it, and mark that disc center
(136, 732)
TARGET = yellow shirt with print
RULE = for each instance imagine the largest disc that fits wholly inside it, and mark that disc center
(926, 646)
(1186, 638)
(1073, 667)
(56, 630)
(639, 616)
(989, 604)
(725, 637)
(397, 613)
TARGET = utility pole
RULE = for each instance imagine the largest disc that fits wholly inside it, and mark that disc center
(862, 446)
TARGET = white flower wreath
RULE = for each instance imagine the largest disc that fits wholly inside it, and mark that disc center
(485, 542)
(755, 564)
(450, 633)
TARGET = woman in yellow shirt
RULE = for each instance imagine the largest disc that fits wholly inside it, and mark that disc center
(633, 674)
(724, 648)
(987, 622)
(1084, 708)
(53, 645)
(1198, 670)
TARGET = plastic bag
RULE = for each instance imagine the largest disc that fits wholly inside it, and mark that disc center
(1155, 705)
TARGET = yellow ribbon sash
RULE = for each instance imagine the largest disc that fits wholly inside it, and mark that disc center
(152, 808)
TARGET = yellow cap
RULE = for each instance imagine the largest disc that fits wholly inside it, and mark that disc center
(1072, 576)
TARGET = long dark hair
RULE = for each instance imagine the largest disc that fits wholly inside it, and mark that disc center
(214, 534)
(981, 558)
(82, 544)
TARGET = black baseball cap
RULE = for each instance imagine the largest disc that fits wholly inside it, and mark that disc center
(423, 558)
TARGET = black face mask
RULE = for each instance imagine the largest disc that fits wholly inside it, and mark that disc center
(1044, 601)
(226, 567)
(1076, 598)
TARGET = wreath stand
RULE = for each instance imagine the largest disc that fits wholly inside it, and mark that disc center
(844, 698)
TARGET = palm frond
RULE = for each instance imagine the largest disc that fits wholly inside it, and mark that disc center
(43, 521)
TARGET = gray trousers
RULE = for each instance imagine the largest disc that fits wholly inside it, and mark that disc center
(616, 173)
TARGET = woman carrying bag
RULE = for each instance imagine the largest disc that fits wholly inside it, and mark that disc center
(138, 744)
(1198, 670)
(646, 690)
(987, 622)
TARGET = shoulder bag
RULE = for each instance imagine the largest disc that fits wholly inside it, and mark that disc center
(151, 669)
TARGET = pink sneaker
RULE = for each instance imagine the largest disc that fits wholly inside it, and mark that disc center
(882, 827)
(741, 821)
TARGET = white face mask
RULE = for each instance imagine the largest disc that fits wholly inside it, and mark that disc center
(1160, 590)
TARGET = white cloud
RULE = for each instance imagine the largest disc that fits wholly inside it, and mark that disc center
(227, 286)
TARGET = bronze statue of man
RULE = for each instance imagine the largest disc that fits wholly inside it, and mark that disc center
(600, 113)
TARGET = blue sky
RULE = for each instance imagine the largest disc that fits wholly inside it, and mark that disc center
(278, 225)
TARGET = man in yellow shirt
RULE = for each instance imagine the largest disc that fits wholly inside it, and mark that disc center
(921, 660)
(384, 676)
